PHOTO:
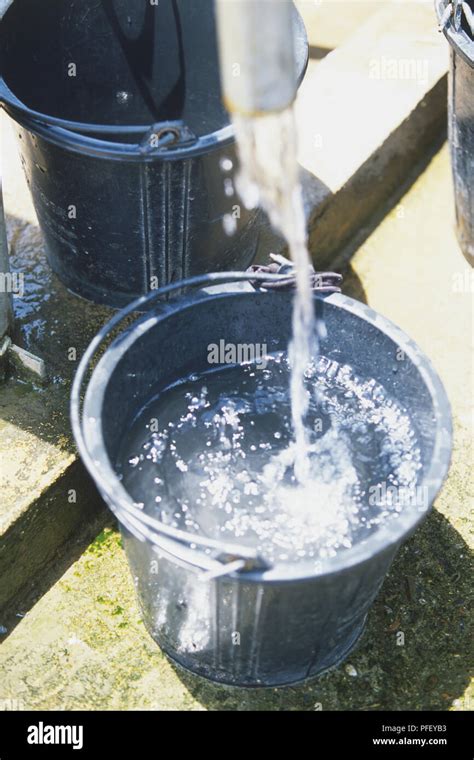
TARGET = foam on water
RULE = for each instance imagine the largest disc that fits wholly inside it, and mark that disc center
(215, 455)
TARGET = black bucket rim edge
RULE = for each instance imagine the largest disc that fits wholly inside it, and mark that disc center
(77, 142)
(92, 147)
(388, 536)
(460, 42)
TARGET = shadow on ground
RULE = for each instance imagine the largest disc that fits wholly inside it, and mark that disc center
(416, 653)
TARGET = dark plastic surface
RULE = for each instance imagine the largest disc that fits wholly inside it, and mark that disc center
(461, 143)
(461, 128)
(118, 217)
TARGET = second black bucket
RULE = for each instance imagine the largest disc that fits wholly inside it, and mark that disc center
(125, 142)
(454, 17)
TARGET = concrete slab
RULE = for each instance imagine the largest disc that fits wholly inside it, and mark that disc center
(367, 114)
(83, 646)
(330, 23)
(46, 498)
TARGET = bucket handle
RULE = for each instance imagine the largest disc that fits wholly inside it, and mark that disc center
(451, 12)
(450, 17)
(221, 558)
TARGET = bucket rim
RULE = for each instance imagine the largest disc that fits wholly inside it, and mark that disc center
(460, 41)
(385, 538)
(93, 147)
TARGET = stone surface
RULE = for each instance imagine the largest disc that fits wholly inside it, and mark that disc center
(329, 23)
(367, 114)
(46, 497)
(84, 645)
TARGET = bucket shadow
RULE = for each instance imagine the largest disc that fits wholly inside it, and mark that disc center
(415, 654)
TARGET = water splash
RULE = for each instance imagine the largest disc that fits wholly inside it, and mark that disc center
(221, 463)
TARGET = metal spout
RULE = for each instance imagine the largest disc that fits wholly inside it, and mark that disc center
(257, 55)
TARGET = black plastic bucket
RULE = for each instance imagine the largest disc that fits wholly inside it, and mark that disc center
(461, 118)
(196, 594)
(122, 133)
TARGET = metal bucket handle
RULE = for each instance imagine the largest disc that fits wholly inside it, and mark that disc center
(226, 558)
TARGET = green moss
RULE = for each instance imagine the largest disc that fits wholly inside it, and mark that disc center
(108, 540)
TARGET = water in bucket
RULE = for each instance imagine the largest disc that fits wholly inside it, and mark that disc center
(214, 455)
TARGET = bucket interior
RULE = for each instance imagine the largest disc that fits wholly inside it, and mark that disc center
(132, 62)
(165, 350)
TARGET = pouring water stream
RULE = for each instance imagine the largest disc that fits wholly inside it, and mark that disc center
(269, 176)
